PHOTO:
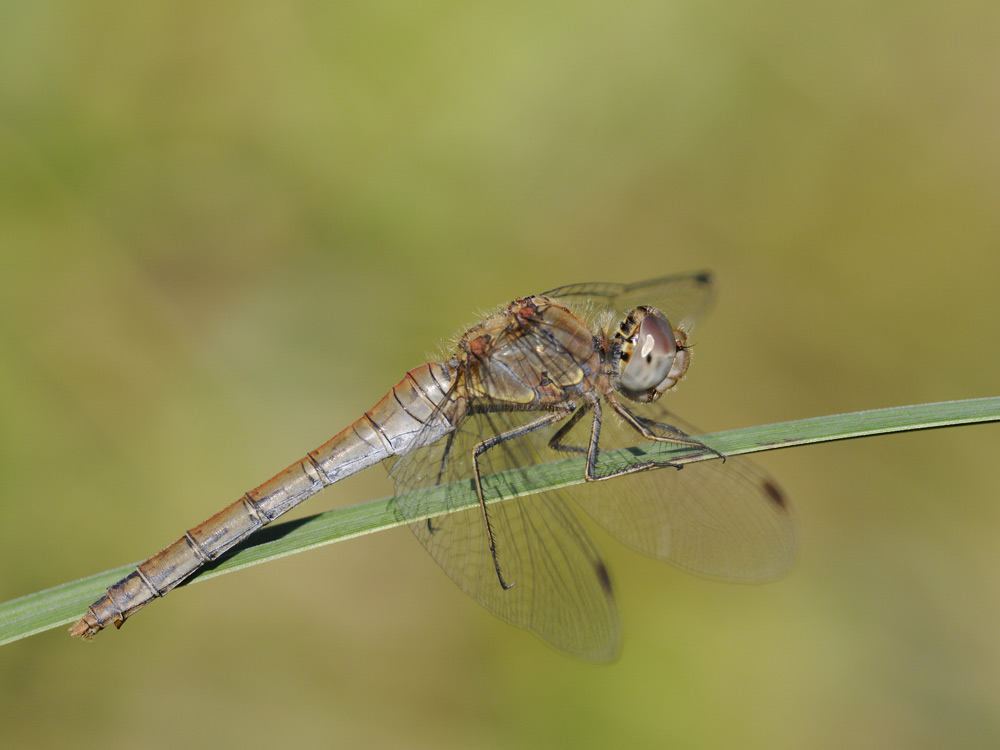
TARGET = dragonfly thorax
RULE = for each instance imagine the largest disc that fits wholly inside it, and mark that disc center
(649, 357)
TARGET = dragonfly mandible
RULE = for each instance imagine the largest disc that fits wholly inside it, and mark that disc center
(576, 371)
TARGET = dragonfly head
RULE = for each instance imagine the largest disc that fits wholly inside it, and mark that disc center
(648, 356)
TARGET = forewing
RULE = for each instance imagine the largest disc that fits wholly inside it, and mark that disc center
(561, 590)
(684, 298)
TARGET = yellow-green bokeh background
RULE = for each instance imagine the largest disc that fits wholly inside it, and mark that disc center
(227, 229)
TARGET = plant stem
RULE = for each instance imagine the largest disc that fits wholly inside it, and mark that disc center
(63, 604)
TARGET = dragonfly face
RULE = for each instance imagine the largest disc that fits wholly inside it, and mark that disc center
(648, 357)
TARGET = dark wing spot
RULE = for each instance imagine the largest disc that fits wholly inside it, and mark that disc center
(775, 494)
(603, 577)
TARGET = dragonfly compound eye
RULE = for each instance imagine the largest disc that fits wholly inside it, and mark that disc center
(652, 360)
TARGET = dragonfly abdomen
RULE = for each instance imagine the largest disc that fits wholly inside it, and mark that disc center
(411, 415)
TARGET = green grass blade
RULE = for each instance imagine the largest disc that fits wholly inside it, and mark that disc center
(64, 604)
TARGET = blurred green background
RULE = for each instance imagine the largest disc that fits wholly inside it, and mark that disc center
(226, 230)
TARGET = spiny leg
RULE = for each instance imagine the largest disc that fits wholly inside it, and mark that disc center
(594, 451)
(555, 442)
(444, 455)
(444, 458)
(491, 442)
(642, 426)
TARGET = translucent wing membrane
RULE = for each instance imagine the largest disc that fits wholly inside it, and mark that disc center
(530, 383)
(723, 520)
(684, 299)
(559, 587)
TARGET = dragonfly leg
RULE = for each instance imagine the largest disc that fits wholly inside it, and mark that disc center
(556, 441)
(591, 474)
(444, 455)
(444, 458)
(491, 442)
(642, 426)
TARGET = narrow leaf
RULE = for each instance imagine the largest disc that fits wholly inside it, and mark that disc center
(64, 604)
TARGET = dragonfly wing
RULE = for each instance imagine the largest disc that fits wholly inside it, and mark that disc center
(561, 590)
(684, 299)
(723, 520)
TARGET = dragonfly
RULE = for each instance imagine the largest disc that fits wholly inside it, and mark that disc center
(577, 372)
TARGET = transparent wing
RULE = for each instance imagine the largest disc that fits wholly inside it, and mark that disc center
(684, 299)
(726, 521)
(561, 590)
(723, 520)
